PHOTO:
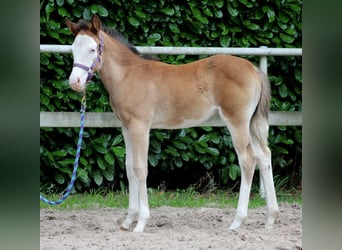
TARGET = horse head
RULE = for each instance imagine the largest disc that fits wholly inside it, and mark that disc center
(86, 50)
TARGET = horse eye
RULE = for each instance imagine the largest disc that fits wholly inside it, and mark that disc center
(92, 50)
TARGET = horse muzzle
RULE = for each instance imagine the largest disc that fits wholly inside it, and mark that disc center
(76, 84)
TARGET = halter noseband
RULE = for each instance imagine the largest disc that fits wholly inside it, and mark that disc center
(97, 60)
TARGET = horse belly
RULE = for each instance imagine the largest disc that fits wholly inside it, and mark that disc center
(163, 121)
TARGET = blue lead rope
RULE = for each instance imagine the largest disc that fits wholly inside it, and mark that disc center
(78, 152)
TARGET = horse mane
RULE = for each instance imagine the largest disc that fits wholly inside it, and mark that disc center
(84, 25)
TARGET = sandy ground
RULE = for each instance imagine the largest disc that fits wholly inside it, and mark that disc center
(170, 228)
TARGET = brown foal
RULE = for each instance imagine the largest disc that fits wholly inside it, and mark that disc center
(147, 94)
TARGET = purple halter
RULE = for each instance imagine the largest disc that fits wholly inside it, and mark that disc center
(97, 60)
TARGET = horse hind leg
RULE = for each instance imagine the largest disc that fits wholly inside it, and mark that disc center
(259, 132)
(247, 161)
(264, 163)
(265, 168)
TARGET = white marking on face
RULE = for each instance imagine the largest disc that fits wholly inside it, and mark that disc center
(84, 51)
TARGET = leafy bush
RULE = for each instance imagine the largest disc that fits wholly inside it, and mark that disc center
(218, 23)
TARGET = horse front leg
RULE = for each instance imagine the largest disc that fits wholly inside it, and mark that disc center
(133, 184)
(137, 136)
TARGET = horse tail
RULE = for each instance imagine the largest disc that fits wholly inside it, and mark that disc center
(259, 123)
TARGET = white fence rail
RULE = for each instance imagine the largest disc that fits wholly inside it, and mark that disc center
(108, 119)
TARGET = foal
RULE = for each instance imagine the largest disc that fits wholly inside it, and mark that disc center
(147, 94)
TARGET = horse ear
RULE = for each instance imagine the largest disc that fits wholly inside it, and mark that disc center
(73, 27)
(96, 24)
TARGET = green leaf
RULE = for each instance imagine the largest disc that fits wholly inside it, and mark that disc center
(100, 162)
(155, 146)
(231, 156)
(234, 172)
(60, 2)
(262, 40)
(225, 40)
(298, 74)
(178, 162)
(298, 135)
(214, 138)
(283, 17)
(174, 28)
(222, 160)
(93, 9)
(133, 21)
(109, 158)
(154, 37)
(286, 38)
(291, 32)
(219, 3)
(84, 162)
(277, 41)
(119, 151)
(179, 145)
(296, 8)
(200, 149)
(44, 99)
(208, 12)
(44, 59)
(185, 155)
(62, 11)
(102, 11)
(168, 11)
(100, 148)
(87, 14)
(233, 12)
(280, 150)
(98, 177)
(218, 13)
(108, 173)
(60, 153)
(83, 175)
(213, 151)
(153, 159)
(118, 139)
(246, 3)
(207, 129)
(270, 15)
(250, 25)
(236, 29)
(203, 140)
(259, 14)
(225, 175)
(140, 14)
(77, 12)
(283, 91)
(198, 15)
(59, 178)
(171, 150)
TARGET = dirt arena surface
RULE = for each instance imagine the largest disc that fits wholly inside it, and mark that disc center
(170, 228)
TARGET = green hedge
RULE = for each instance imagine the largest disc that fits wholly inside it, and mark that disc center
(193, 152)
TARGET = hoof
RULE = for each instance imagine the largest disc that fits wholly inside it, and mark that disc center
(122, 228)
(238, 221)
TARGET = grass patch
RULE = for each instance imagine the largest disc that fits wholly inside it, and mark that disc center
(179, 198)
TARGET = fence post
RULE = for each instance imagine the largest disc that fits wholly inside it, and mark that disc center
(263, 62)
(263, 68)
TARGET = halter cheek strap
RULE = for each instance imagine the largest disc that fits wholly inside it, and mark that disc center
(97, 60)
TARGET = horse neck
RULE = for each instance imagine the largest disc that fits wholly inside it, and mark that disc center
(116, 59)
